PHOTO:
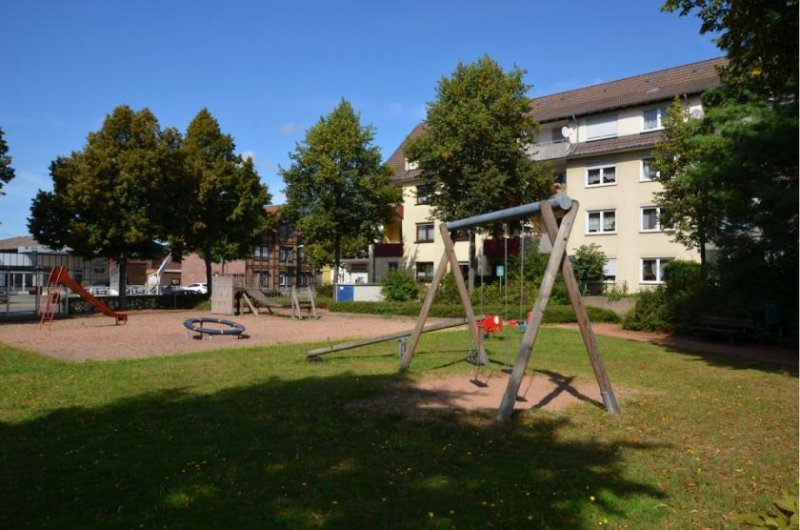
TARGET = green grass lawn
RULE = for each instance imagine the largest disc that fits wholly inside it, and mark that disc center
(258, 438)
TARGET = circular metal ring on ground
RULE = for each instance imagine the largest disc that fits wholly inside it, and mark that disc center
(196, 325)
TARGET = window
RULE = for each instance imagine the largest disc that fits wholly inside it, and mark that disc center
(424, 193)
(393, 265)
(285, 231)
(601, 176)
(653, 269)
(602, 127)
(610, 271)
(261, 253)
(286, 254)
(425, 233)
(602, 222)
(651, 219)
(425, 271)
(282, 279)
(653, 119)
(561, 178)
(648, 171)
(411, 166)
(263, 280)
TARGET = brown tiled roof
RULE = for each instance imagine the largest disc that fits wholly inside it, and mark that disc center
(14, 243)
(620, 143)
(661, 85)
(397, 162)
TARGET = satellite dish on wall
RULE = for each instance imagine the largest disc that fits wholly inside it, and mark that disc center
(566, 131)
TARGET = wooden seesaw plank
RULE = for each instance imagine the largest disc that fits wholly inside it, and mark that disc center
(383, 338)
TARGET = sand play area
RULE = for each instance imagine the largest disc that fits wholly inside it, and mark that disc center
(157, 333)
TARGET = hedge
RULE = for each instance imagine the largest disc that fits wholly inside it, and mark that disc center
(554, 314)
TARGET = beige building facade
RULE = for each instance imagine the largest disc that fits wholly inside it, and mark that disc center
(599, 140)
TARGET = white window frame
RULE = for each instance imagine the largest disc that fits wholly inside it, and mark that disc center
(282, 279)
(658, 227)
(427, 277)
(659, 269)
(602, 168)
(661, 113)
(643, 173)
(608, 268)
(603, 214)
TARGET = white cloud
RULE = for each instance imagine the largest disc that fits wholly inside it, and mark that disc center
(290, 128)
(415, 110)
(249, 155)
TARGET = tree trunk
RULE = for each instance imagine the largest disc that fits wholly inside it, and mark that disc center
(122, 284)
(207, 260)
(473, 263)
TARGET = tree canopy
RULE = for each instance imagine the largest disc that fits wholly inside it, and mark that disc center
(731, 176)
(118, 196)
(338, 193)
(225, 198)
(6, 171)
(474, 149)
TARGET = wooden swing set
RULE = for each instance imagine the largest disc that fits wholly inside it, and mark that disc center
(558, 260)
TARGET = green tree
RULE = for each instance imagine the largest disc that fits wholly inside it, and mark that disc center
(475, 147)
(226, 196)
(741, 156)
(588, 263)
(760, 37)
(691, 201)
(6, 171)
(118, 196)
(338, 193)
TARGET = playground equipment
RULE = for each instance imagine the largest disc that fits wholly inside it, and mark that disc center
(274, 301)
(559, 236)
(198, 326)
(59, 276)
(312, 355)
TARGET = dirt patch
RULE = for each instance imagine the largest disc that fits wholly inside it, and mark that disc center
(157, 333)
(466, 392)
(744, 350)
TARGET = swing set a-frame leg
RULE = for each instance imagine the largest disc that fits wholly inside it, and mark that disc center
(584, 324)
(449, 255)
(558, 259)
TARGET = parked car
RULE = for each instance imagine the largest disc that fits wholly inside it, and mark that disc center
(135, 289)
(171, 290)
(201, 288)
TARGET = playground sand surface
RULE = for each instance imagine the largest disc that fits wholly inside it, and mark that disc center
(159, 333)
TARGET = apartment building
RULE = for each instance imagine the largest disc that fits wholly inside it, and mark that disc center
(279, 262)
(599, 140)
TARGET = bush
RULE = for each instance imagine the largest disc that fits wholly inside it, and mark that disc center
(554, 314)
(399, 286)
(325, 290)
(588, 263)
(649, 313)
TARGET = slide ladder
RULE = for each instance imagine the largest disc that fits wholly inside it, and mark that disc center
(53, 298)
(60, 276)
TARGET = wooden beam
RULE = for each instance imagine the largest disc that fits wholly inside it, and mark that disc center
(449, 250)
(584, 324)
(423, 313)
(537, 314)
(383, 338)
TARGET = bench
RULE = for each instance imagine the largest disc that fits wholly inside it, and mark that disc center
(730, 327)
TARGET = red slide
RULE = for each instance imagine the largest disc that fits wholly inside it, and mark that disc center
(60, 276)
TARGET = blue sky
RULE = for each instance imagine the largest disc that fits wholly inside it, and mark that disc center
(268, 70)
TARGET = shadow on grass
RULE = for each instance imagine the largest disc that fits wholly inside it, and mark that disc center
(781, 361)
(297, 454)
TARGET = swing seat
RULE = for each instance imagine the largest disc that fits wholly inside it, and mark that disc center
(490, 324)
